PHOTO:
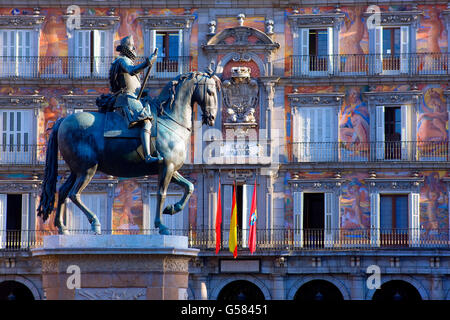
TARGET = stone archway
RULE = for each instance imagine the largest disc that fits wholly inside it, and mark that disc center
(240, 290)
(397, 290)
(318, 290)
(13, 290)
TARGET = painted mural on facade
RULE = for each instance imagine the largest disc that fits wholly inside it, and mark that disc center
(127, 207)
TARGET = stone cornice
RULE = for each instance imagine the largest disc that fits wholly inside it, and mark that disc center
(396, 18)
(21, 21)
(316, 99)
(80, 101)
(394, 183)
(96, 22)
(317, 184)
(393, 97)
(166, 22)
(316, 20)
(21, 101)
(22, 186)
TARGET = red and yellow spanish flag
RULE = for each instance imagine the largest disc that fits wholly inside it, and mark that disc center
(252, 223)
(218, 220)
(232, 239)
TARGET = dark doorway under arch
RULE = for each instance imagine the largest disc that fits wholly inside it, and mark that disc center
(240, 290)
(397, 290)
(13, 290)
(318, 290)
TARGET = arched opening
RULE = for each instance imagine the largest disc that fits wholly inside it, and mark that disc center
(397, 290)
(240, 290)
(13, 290)
(318, 290)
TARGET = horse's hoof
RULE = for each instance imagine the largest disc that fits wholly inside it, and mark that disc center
(96, 227)
(163, 230)
(63, 231)
(169, 210)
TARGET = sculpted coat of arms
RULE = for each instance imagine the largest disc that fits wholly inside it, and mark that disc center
(240, 95)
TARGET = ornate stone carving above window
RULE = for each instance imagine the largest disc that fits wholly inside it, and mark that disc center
(20, 186)
(21, 22)
(166, 22)
(96, 22)
(316, 20)
(393, 97)
(240, 38)
(21, 101)
(315, 99)
(80, 102)
(397, 18)
(382, 185)
(318, 185)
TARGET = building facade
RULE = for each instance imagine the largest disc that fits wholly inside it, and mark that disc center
(338, 113)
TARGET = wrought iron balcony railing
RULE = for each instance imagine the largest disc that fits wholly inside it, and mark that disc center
(51, 67)
(269, 239)
(369, 64)
(371, 151)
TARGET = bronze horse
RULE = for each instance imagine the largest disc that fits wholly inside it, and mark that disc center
(81, 142)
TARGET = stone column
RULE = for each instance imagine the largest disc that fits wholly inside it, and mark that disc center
(278, 288)
(358, 285)
(110, 267)
(200, 287)
(436, 292)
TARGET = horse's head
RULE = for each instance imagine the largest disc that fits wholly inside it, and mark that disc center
(206, 95)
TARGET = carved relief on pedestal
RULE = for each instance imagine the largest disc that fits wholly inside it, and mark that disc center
(240, 97)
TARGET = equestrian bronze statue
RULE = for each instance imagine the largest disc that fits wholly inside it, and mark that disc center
(118, 143)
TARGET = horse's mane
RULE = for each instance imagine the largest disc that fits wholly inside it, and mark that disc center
(168, 94)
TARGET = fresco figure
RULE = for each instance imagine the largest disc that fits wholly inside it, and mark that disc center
(353, 216)
(432, 123)
(352, 33)
(354, 122)
(433, 192)
(433, 59)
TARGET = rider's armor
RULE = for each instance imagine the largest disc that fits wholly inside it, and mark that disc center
(124, 82)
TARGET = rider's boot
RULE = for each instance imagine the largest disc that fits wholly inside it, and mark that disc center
(145, 137)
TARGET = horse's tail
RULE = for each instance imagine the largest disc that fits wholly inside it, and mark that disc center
(47, 201)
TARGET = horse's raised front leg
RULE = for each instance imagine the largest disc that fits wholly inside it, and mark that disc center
(81, 182)
(188, 190)
(62, 195)
(165, 175)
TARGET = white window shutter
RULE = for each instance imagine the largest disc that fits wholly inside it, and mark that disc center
(329, 209)
(414, 219)
(298, 218)
(378, 49)
(405, 136)
(227, 203)
(247, 194)
(330, 51)
(304, 50)
(379, 144)
(404, 49)
(3, 203)
(24, 67)
(375, 219)
(180, 52)
(96, 202)
(101, 68)
(81, 61)
(25, 220)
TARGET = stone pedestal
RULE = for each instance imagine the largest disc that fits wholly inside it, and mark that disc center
(106, 267)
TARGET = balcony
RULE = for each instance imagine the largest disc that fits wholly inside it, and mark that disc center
(79, 68)
(369, 65)
(269, 239)
(405, 151)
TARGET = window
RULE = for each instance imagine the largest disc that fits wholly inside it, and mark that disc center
(316, 132)
(15, 129)
(314, 218)
(13, 220)
(16, 51)
(169, 44)
(394, 219)
(90, 56)
(393, 133)
(316, 50)
(391, 48)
